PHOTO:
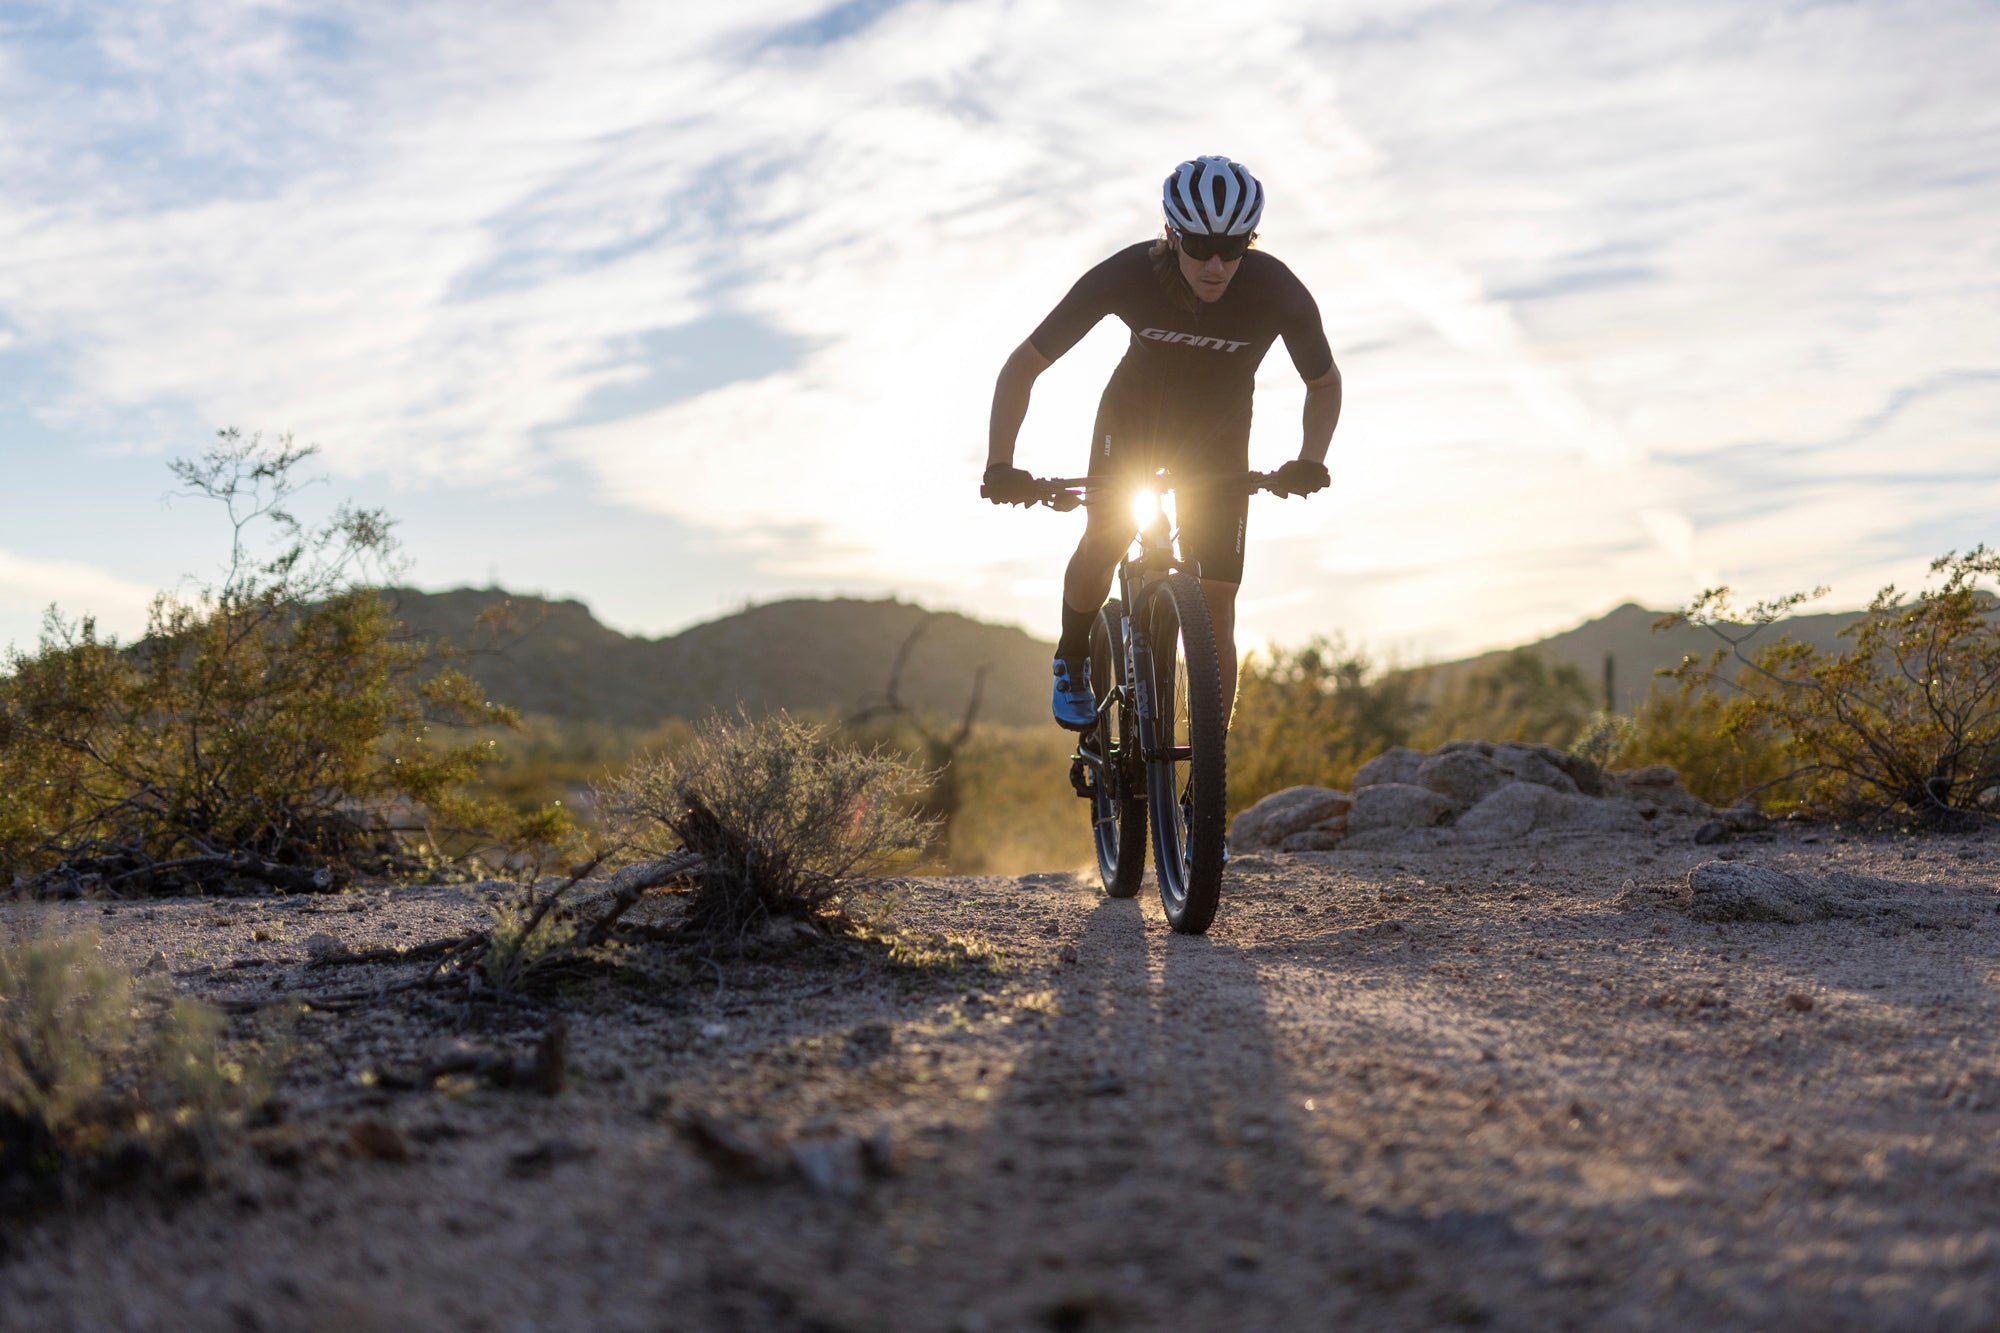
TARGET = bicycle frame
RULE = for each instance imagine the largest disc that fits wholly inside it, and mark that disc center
(1157, 555)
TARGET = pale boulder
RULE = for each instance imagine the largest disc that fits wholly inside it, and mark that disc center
(1282, 814)
(1463, 776)
(1398, 805)
(1662, 786)
(1543, 765)
(1521, 808)
(1398, 765)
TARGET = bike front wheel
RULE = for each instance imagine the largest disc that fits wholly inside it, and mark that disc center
(1117, 794)
(1186, 774)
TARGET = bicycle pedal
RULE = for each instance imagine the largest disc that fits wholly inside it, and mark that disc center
(1080, 779)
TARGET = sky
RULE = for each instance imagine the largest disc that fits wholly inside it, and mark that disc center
(672, 308)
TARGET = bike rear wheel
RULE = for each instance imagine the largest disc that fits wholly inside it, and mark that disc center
(1117, 794)
(1186, 777)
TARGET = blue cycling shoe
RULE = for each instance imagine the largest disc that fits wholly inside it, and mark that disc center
(1075, 708)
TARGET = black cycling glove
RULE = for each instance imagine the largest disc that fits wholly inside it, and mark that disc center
(1301, 476)
(1006, 485)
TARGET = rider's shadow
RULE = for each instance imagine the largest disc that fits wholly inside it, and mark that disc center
(1153, 1108)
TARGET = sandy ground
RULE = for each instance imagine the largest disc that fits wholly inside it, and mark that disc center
(1515, 1087)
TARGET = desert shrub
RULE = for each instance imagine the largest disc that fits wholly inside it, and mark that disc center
(264, 725)
(91, 1084)
(1723, 753)
(528, 939)
(1524, 696)
(785, 817)
(1905, 720)
(1313, 715)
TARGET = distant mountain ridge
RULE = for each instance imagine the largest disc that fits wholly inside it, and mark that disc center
(832, 655)
(1638, 651)
(836, 655)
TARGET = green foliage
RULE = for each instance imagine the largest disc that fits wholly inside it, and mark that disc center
(1723, 752)
(84, 1083)
(275, 717)
(526, 938)
(785, 817)
(1525, 696)
(1313, 715)
(1906, 718)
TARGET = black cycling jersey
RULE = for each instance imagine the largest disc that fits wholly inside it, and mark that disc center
(1203, 361)
(1180, 398)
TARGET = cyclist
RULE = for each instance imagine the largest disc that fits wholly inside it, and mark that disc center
(1203, 308)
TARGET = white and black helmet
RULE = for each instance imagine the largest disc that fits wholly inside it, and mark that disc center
(1212, 196)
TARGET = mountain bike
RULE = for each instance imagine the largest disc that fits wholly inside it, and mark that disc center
(1155, 757)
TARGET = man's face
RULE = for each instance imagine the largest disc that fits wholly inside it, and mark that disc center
(1208, 277)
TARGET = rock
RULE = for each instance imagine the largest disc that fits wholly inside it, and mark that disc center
(1484, 749)
(1281, 814)
(320, 944)
(379, 1140)
(1521, 808)
(1746, 891)
(546, 1156)
(1712, 832)
(1660, 785)
(1397, 765)
(1398, 805)
(1312, 840)
(834, 1167)
(1543, 765)
(157, 963)
(1466, 777)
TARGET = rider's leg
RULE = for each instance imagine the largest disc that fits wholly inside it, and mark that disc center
(1074, 698)
(1087, 581)
(1221, 599)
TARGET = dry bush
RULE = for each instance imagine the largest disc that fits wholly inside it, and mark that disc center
(1524, 696)
(97, 1081)
(1725, 755)
(1905, 721)
(1313, 715)
(262, 727)
(785, 818)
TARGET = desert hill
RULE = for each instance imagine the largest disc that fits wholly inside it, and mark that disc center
(836, 654)
(830, 655)
(1638, 651)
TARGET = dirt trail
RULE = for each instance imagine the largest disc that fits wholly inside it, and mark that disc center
(1518, 1088)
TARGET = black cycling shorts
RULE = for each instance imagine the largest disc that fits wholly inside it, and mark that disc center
(1134, 437)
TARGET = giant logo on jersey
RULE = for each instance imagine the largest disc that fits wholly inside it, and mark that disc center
(1190, 340)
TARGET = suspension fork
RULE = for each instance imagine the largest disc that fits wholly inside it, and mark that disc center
(1139, 665)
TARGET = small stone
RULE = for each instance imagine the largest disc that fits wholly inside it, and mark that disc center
(157, 963)
(320, 944)
(832, 1167)
(1799, 1002)
(379, 1140)
(1712, 832)
(1066, 954)
(545, 1156)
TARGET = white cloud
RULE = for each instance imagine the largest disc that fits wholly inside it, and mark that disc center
(1580, 263)
(28, 586)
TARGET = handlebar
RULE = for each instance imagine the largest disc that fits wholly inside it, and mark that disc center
(1066, 493)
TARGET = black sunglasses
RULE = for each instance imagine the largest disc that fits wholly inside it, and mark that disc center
(1226, 248)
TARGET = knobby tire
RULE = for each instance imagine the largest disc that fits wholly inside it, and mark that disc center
(1186, 797)
(1117, 801)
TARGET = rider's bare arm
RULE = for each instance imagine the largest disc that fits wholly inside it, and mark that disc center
(1322, 414)
(1010, 402)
